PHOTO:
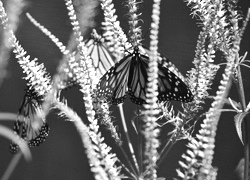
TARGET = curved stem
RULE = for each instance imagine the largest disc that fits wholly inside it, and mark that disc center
(8, 116)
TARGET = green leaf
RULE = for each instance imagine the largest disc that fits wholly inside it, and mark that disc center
(238, 119)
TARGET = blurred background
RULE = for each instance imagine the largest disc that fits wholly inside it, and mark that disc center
(62, 156)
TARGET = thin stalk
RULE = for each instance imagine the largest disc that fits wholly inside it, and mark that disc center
(12, 165)
(246, 149)
(140, 157)
(129, 162)
(127, 170)
(127, 137)
(240, 89)
(168, 146)
(165, 150)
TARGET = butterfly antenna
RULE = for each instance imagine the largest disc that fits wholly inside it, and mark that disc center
(127, 137)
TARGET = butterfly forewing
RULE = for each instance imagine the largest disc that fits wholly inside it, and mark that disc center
(106, 61)
(138, 79)
(113, 85)
(101, 58)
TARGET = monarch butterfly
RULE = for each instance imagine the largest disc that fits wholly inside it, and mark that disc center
(101, 58)
(34, 132)
(130, 75)
(167, 63)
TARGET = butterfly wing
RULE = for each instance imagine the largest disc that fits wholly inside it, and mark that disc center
(165, 62)
(34, 132)
(170, 86)
(130, 74)
(101, 58)
(138, 78)
(114, 83)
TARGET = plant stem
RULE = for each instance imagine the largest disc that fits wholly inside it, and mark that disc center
(246, 149)
(8, 116)
(163, 153)
(12, 165)
(127, 170)
(162, 156)
(140, 156)
(129, 162)
(128, 138)
(165, 150)
(241, 93)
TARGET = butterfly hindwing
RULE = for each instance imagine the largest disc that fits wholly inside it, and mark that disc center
(171, 87)
(34, 132)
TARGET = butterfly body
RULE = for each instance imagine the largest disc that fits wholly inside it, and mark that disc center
(129, 75)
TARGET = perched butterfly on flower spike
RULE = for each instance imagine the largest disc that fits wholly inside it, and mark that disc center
(33, 131)
(101, 57)
(102, 60)
(129, 75)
